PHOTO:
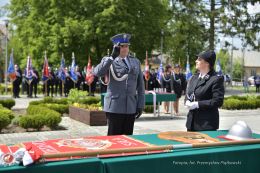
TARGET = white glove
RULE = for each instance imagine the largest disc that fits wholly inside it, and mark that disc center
(191, 105)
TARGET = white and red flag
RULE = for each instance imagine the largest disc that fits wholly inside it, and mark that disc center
(89, 75)
(146, 70)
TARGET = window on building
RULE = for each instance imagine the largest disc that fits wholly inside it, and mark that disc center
(253, 72)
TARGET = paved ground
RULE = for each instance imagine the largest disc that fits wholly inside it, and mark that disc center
(147, 124)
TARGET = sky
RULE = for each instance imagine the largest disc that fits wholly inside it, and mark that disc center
(237, 42)
(2, 3)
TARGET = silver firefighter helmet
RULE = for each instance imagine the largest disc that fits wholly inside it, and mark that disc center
(239, 131)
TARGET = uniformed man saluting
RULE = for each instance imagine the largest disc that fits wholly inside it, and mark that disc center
(124, 100)
(204, 95)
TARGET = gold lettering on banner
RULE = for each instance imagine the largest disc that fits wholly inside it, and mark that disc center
(45, 147)
(124, 142)
(89, 144)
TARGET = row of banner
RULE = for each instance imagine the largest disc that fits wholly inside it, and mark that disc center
(188, 70)
(29, 74)
(88, 70)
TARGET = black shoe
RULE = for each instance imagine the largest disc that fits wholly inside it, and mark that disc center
(35, 96)
(18, 97)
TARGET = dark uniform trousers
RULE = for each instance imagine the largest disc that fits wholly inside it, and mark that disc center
(119, 124)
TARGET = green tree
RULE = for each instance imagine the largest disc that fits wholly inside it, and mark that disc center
(237, 71)
(186, 34)
(231, 18)
(3, 14)
(227, 17)
(223, 56)
(85, 27)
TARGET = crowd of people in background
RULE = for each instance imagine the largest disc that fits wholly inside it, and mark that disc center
(171, 80)
(54, 86)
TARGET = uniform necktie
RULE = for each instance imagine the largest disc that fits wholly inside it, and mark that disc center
(125, 64)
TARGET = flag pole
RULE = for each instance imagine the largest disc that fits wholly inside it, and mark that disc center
(62, 87)
(89, 85)
(62, 82)
(89, 89)
(45, 88)
(45, 83)
(159, 149)
(145, 70)
(73, 58)
(12, 81)
(29, 88)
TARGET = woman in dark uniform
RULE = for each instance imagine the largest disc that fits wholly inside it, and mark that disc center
(204, 95)
(177, 81)
(166, 83)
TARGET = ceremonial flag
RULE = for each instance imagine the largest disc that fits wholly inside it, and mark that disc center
(160, 73)
(29, 70)
(146, 70)
(218, 68)
(35, 151)
(188, 71)
(89, 75)
(11, 71)
(73, 74)
(46, 74)
(62, 73)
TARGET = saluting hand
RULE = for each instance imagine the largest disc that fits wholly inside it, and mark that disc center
(115, 51)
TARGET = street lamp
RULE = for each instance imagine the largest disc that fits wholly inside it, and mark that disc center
(6, 22)
(231, 61)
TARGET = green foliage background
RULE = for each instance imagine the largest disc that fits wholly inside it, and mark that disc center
(83, 27)
(86, 26)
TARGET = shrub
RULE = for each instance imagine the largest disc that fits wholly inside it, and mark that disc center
(230, 104)
(238, 97)
(36, 109)
(4, 120)
(57, 107)
(90, 100)
(63, 101)
(25, 121)
(48, 100)
(76, 95)
(8, 103)
(6, 116)
(36, 102)
(241, 102)
(94, 107)
(32, 121)
(33, 109)
(148, 109)
(40, 115)
(52, 121)
(7, 112)
(38, 121)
